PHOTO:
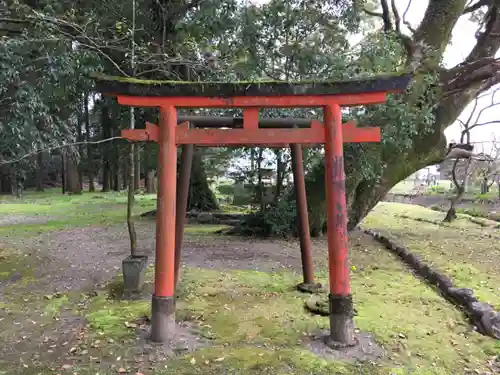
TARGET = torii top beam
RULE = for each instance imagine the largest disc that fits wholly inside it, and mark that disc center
(150, 93)
(251, 96)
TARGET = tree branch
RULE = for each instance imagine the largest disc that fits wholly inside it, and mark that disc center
(405, 22)
(397, 17)
(488, 42)
(374, 14)
(473, 73)
(476, 6)
(4, 162)
(386, 15)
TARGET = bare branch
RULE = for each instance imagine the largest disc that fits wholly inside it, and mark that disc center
(484, 123)
(487, 41)
(79, 34)
(397, 17)
(374, 14)
(406, 22)
(29, 154)
(483, 71)
(454, 173)
(473, 7)
(386, 15)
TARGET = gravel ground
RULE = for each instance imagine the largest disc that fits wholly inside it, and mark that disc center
(79, 259)
(23, 219)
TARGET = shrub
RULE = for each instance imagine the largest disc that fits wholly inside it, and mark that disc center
(280, 220)
(226, 189)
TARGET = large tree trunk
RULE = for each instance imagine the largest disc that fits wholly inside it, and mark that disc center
(90, 161)
(125, 173)
(5, 184)
(115, 182)
(260, 184)
(73, 185)
(63, 173)
(150, 182)
(485, 187)
(79, 138)
(115, 158)
(137, 176)
(457, 87)
(201, 197)
(106, 152)
(280, 175)
(40, 172)
(16, 183)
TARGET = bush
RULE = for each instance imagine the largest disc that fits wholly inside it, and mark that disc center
(475, 212)
(242, 199)
(226, 189)
(486, 196)
(280, 220)
(437, 189)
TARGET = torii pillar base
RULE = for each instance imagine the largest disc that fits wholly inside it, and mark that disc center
(162, 319)
(341, 315)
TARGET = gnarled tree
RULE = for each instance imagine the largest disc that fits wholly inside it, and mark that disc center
(423, 141)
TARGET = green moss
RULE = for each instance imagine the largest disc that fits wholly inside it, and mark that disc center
(110, 318)
(62, 212)
(257, 321)
(132, 80)
(258, 325)
(15, 268)
(463, 250)
(137, 87)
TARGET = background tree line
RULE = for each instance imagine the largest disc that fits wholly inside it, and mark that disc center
(49, 49)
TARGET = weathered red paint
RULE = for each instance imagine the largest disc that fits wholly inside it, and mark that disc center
(182, 198)
(251, 119)
(151, 133)
(255, 136)
(165, 222)
(297, 101)
(336, 208)
(302, 213)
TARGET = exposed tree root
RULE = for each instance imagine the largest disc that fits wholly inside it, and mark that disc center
(435, 222)
(487, 223)
(482, 315)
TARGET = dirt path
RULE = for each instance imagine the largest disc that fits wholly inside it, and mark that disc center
(84, 258)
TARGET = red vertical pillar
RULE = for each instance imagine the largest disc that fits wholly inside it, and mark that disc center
(163, 303)
(340, 299)
(303, 221)
(182, 201)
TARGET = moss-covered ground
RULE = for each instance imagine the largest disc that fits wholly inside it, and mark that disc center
(466, 251)
(255, 322)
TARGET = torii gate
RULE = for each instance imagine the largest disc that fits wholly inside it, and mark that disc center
(251, 96)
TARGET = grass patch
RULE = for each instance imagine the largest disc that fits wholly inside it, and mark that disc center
(61, 212)
(111, 319)
(15, 267)
(465, 251)
(258, 325)
(256, 320)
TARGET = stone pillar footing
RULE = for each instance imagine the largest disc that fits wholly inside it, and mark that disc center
(162, 319)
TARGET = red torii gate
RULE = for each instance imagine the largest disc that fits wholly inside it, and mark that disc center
(170, 95)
